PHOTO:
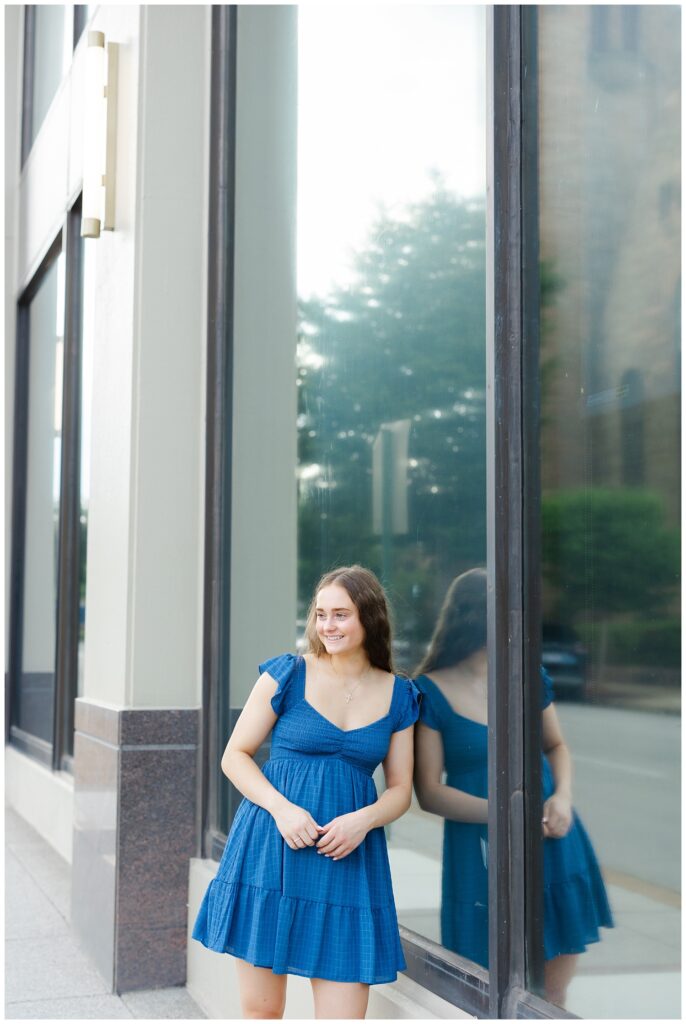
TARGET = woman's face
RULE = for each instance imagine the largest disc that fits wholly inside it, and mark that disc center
(338, 621)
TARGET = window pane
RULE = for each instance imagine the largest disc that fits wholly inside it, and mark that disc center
(46, 330)
(610, 470)
(49, 60)
(391, 381)
(87, 341)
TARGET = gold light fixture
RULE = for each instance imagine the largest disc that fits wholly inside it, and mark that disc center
(99, 136)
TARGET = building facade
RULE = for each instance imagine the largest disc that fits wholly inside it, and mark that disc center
(400, 287)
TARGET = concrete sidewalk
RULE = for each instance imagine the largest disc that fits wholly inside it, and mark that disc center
(47, 974)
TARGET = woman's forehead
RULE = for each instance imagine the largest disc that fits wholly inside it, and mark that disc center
(334, 596)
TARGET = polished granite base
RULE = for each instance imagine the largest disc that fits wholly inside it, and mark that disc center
(135, 792)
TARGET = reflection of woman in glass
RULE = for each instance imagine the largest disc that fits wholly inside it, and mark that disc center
(452, 734)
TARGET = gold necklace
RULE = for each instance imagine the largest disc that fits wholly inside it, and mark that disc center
(349, 695)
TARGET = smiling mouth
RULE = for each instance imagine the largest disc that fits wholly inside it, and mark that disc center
(338, 637)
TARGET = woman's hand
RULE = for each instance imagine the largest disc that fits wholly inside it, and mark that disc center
(342, 835)
(296, 825)
(557, 816)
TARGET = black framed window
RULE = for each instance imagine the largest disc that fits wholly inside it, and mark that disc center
(520, 293)
(37, 492)
(391, 364)
(47, 553)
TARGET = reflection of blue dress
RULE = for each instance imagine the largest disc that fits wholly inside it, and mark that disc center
(575, 901)
(297, 911)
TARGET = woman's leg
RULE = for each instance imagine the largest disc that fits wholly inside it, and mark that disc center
(345, 1000)
(263, 993)
(558, 974)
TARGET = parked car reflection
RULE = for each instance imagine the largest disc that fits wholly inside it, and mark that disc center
(565, 659)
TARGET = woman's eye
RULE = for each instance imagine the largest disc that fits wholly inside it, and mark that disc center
(340, 615)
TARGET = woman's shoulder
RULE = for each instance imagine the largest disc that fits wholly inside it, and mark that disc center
(279, 666)
(283, 669)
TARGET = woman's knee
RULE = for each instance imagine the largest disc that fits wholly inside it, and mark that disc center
(267, 1007)
(263, 993)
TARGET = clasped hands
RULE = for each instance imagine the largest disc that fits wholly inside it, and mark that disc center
(336, 839)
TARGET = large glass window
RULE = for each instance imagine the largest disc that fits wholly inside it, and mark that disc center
(391, 381)
(54, 371)
(33, 711)
(392, 469)
(609, 153)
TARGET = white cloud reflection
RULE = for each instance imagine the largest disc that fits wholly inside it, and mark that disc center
(386, 95)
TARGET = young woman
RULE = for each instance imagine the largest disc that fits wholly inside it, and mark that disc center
(453, 734)
(304, 885)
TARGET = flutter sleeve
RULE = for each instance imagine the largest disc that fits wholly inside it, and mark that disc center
(282, 670)
(408, 705)
(547, 694)
(428, 713)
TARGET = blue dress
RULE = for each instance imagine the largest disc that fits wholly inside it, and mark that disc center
(575, 902)
(297, 911)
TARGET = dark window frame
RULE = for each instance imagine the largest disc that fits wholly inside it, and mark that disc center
(219, 395)
(58, 754)
(515, 856)
(68, 595)
(80, 21)
(27, 80)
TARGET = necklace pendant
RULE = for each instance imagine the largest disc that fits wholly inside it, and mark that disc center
(348, 698)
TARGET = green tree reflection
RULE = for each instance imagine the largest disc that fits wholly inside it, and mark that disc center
(404, 342)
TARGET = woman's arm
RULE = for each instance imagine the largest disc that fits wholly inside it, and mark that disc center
(557, 810)
(397, 797)
(433, 795)
(255, 722)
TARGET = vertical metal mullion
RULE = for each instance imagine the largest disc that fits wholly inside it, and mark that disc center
(27, 80)
(18, 527)
(505, 458)
(66, 668)
(78, 23)
(217, 568)
(531, 405)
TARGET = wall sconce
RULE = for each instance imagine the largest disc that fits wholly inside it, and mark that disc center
(99, 136)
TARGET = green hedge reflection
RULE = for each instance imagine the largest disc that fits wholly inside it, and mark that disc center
(612, 562)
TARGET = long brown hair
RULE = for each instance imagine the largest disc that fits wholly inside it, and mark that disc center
(461, 626)
(367, 594)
